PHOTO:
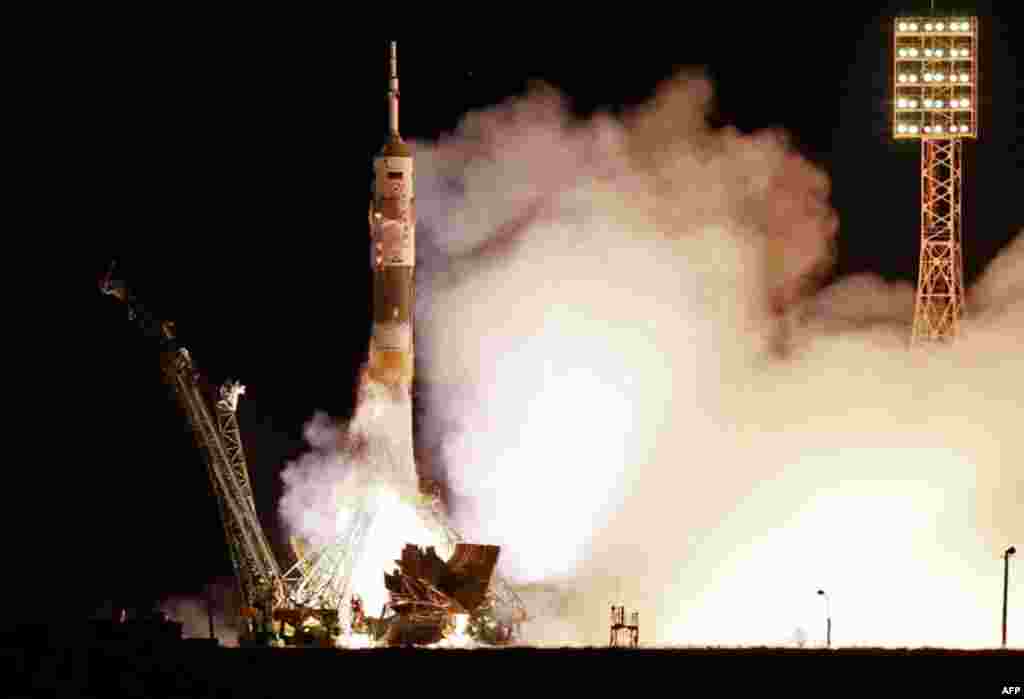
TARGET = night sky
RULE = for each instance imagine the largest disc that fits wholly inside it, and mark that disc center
(228, 169)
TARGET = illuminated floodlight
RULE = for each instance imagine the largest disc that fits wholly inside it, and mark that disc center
(964, 77)
(913, 104)
(927, 129)
(938, 129)
(903, 26)
(902, 128)
(928, 53)
(953, 78)
(913, 78)
(964, 129)
(913, 128)
(928, 77)
(913, 53)
(902, 78)
(939, 77)
(965, 103)
(940, 27)
(965, 53)
(928, 27)
(938, 104)
(901, 103)
(913, 26)
(902, 52)
(938, 53)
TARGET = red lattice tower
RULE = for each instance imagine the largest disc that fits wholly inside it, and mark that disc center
(935, 82)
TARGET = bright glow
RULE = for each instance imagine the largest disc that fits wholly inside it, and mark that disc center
(902, 52)
(964, 129)
(913, 104)
(928, 27)
(913, 53)
(965, 103)
(927, 129)
(903, 26)
(965, 52)
(913, 78)
(938, 104)
(913, 26)
(913, 129)
(901, 103)
(952, 78)
(927, 77)
(938, 129)
(940, 27)
(928, 52)
(903, 78)
(928, 104)
(902, 128)
(938, 53)
(940, 77)
(964, 77)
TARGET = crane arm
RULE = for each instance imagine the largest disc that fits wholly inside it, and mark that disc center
(219, 439)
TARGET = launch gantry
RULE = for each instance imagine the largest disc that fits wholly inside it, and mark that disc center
(219, 439)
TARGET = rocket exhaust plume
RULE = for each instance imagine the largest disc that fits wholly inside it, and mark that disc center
(606, 297)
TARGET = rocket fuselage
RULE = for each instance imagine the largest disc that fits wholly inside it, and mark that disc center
(393, 256)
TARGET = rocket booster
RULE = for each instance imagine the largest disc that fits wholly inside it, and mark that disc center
(393, 256)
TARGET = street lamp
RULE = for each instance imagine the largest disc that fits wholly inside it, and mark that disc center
(828, 619)
(1006, 585)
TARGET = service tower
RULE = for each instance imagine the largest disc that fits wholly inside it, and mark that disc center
(393, 256)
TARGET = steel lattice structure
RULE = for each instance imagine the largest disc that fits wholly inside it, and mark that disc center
(940, 282)
(935, 82)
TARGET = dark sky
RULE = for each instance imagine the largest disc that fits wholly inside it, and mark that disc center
(228, 168)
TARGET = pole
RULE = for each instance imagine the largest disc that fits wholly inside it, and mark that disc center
(828, 632)
(1006, 585)
(209, 609)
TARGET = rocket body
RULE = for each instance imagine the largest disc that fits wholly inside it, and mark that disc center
(393, 253)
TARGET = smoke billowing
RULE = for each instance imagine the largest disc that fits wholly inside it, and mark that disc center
(607, 298)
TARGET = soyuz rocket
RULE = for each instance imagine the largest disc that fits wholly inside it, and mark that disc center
(393, 251)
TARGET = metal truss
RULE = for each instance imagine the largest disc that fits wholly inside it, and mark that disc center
(939, 306)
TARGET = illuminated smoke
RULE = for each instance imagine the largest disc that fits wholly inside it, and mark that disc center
(606, 296)
(193, 613)
(365, 467)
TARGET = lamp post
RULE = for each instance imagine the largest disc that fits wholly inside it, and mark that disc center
(1006, 585)
(828, 619)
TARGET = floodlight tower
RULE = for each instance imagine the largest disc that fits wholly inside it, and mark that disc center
(935, 79)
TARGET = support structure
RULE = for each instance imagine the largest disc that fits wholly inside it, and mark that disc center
(623, 634)
(935, 88)
(939, 305)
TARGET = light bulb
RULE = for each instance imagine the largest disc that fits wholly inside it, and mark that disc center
(902, 104)
(903, 26)
(939, 27)
(928, 27)
(913, 104)
(964, 77)
(940, 77)
(952, 78)
(927, 129)
(965, 103)
(938, 53)
(938, 104)
(913, 78)
(928, 52)
(913, 53)
(913, 26)
(913, 129)
(902, 128)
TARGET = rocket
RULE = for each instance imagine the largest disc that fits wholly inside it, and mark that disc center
(393, 251)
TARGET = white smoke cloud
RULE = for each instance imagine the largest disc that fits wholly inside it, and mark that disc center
(604, 293)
